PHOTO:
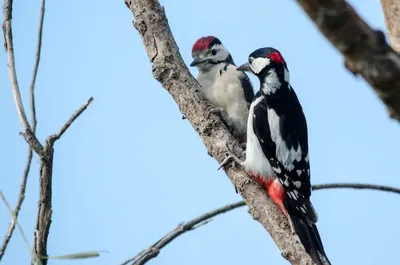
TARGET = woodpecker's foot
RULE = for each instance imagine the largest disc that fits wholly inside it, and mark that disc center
(243, 145)
(231, 159)
(222, 115)
(285, 254)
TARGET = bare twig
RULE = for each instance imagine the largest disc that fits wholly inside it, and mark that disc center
(365, 50)
(7, 30)
(21, 198)
(43, 221)
(74, 116)
(357, 186)
(21, 195)
(28, 134)
(36, 67)
(152, 251)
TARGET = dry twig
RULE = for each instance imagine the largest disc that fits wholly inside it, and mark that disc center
(21, 195)
(152, 251)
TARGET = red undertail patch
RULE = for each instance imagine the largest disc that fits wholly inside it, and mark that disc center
(274, 188)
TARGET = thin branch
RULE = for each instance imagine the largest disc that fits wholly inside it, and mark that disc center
(152, 251)
(21, 198)
(45, 211)
(28, 134)
(21, 195)
(7, 30)
(36, 67)
(357, 186)
(365, 50)
(74, 116)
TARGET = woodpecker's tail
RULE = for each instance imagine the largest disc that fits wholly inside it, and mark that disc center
(309, 237)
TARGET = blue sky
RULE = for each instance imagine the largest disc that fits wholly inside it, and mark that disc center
(129, 170)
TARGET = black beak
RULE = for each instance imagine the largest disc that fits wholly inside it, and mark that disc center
(245, 67)
(197, 61)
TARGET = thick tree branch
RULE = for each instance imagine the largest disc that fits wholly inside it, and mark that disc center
(365, 50)
(21, 195)
(170, 70)
(152, 251)
(391, 9)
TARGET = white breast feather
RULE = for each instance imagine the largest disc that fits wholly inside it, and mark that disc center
(256, 162)
(227, 93)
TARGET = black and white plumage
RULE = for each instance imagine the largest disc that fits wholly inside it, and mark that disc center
(277, 147)
(229, 90)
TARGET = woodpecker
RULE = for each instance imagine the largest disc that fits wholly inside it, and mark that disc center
(277, 148)
(229, 90)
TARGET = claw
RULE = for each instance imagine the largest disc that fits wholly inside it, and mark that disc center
(228, 159)
(217, 111)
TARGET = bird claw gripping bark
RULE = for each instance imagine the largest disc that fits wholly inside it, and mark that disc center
(220, 112)
(231, 158)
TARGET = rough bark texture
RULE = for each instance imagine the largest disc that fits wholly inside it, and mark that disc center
(391, 9)
(170, 70)
(365, 50)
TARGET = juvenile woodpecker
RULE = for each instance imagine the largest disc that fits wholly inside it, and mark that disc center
(229, 90)
(277, 148)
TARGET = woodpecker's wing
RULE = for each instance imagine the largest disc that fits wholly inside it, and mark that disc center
(281, 129)
(247, 87)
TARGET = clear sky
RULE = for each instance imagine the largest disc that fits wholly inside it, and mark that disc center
(129, 170)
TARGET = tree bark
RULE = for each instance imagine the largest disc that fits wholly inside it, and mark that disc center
(365, 50)
(391, 9)
(170, 70)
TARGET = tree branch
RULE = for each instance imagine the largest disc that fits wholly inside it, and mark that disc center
(391, 9)
(28, 134)
(21, 195)
(21, 198)
(43, 221)
(365, 50)
(45, 152)
(152, 251)
(170, 70)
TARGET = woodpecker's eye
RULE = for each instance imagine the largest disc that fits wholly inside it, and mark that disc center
(213, 52)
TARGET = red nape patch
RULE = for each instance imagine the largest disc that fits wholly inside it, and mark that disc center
(274, 188)
(276, 57)
(202, 43)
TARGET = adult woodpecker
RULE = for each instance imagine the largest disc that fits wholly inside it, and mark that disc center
(229, 90)
(277, 147)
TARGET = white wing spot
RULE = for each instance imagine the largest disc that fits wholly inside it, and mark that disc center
(303, 209)
(308, 172)
(297, 184)
(286, 183)
(290, 196)
(293, 195)
(299, 172)
(277, 169)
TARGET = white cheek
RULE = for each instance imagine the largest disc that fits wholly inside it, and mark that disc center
(258, 64)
